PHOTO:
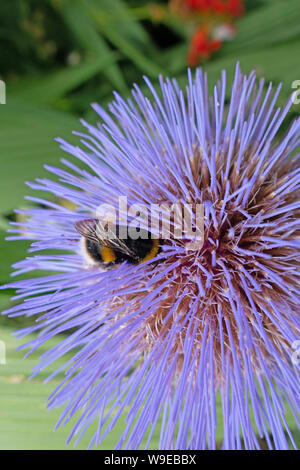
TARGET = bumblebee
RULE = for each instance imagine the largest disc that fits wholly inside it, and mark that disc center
(103, 245)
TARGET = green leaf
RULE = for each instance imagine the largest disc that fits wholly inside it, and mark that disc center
(117, 15)
(276, 64)
(4, 303)
(4, 223)
(175, 58)
(47, 88)
(121, 41)
(263, 27)
(27, 134)
(10, 252)
(87, 35)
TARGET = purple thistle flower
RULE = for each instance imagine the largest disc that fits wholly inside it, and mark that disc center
(160, 341)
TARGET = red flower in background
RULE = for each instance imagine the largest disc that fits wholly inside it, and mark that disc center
(214, 24)
(202, 46)
(204, 5)
(235, 7)
(229, 7)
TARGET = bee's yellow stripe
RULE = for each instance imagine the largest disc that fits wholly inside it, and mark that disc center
(107, 254)
(153, 252)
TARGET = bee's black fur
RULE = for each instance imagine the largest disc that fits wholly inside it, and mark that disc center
(140, 247)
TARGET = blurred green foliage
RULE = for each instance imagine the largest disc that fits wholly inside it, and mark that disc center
(57, 57)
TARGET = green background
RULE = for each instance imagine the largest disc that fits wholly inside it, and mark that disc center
(57, 57)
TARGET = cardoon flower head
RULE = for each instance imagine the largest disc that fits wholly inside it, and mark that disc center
(162, 341)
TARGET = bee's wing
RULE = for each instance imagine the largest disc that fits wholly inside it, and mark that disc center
(87, 228)
(99, 231)
(107, 237)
